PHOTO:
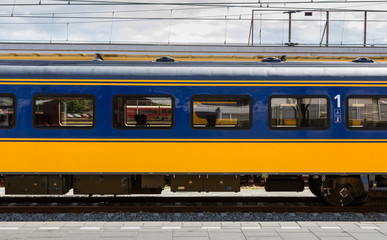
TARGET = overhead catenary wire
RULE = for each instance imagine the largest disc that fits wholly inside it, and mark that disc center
(225, 26)
(283, 32)
(124, 11)
(342, 29)
(13, 8)
(207, 18)
(191, 8)
(111, 28)
(99, 13)
(181, 3)
(52, 27)
(170, 25)
(163, 12)
(203, 5)
(111, 2)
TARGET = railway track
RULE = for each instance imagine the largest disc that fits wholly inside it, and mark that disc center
(177, 204)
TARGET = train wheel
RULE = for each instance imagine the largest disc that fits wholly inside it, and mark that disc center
(315, 186)
(343, 191)
(336, 194)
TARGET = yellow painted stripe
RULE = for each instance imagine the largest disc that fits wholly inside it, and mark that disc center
(185, 140)
(181, 157)
(193, 85)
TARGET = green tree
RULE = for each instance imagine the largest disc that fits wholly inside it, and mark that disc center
(77, 105)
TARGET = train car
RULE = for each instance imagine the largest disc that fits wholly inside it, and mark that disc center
(152, 115)
(106, 127)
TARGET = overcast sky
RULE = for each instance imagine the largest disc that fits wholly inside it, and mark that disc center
(201, 22)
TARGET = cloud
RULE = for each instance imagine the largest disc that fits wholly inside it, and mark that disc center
(95, 24)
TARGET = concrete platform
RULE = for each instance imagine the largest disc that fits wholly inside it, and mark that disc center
(244, 192)
(195, 230)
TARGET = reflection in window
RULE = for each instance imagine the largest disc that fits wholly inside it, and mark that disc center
(299, 112)
(64, 111)
(7, 112)
(367, 112)
(142, 111)
(221, 112)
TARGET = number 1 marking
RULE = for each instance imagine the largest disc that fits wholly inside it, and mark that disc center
(337, 97)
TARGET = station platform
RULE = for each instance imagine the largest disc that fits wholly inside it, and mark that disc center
(195, 230)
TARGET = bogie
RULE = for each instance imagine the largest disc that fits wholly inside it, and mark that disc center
(343, 191)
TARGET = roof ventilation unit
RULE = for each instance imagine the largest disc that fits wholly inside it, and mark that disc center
(165, 59)
(363, 60)
(98, 57)
(271, 59)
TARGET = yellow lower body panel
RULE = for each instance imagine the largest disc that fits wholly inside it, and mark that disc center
(192, 157)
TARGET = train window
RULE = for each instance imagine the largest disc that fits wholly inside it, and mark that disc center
(367, 112)
(219, 112)
(64, 111)
(7, 111)
(298, 112)
(143, 111)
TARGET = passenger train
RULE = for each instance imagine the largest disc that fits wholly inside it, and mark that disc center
(132, 127)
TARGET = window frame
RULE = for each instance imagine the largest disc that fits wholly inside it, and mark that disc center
(142, 127)
(14, 106)
(347, 113)
(299, 128)
(34, 108)
(221, 96)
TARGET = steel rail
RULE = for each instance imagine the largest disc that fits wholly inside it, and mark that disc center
(176, 204)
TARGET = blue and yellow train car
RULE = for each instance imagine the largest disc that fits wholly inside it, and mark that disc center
(132, 127)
